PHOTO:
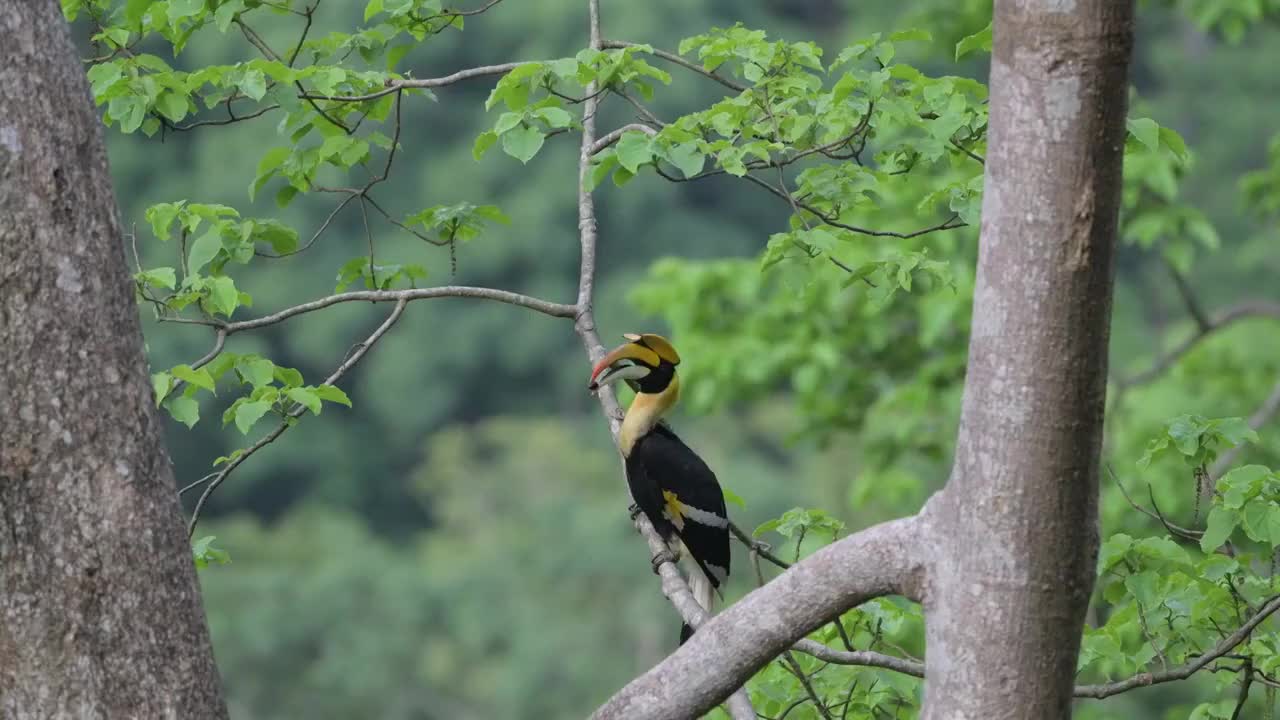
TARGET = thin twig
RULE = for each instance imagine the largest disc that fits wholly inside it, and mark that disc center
(1182, 672)
(1246, 681)
(612, 137)
(794, 665)
(645, 113)
(218, 342)
(1220, 321)
(461, 291)
(422, 83)
(1186, 533)
(286, 423)
(763, 549)
(676, 59)
(1188, 295)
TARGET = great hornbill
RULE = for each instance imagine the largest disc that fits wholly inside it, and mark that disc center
(669, 482)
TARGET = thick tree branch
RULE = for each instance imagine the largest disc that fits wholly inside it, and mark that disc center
(730, 647)
(1182, 672)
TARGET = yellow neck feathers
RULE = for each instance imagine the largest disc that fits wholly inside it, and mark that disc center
(645, 412)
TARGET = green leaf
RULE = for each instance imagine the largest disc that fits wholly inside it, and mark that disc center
(227, 12)
(173, 106)
(255, 370)
(980, 40)
(223, 295)
(285, 195)
(1256, 521)
(184, 409)
(507, 121)
(1172, 140)
(484, 141)
(306, 397)
(1186, 431)
(522, 143)
(160, 384)
(199, 378)
(204, 249)
(1241, 485)
(1146, 131)
(687, 157)
(204, 553)
(290, 377)
(1218, 528)
(1273, 524)
(254, 84)
(767, 526)
(731, 496)
(373, 8)
(282, 238)
(634, 149)
(554, 116)
(332, 393)
(1144, 587)
(1236, 430)
(249, 413)
(1113, 550)
(1215, 567)
(1162, 549)
(161, 277)
(179, 9)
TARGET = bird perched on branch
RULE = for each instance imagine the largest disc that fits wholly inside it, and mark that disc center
(670, 484)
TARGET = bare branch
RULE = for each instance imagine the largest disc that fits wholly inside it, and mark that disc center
(728, 649)
(613, 137)
(948, 224)
(1188, 295)
(286, 423)
(761, 549)
(422, 83)
(1182, 672)
(1175, 530)
(865, 658)
(1223, 319)
(463, 291)
(676, 59)
(673, 583)
(794, 665)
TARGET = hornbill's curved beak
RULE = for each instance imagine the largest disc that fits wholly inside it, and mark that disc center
(632, 360)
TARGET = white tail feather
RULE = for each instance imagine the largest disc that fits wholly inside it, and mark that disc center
(699, 584)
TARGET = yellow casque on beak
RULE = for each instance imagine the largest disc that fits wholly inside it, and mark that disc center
(645, 352)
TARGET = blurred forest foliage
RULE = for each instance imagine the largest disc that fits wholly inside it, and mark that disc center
(457, 546)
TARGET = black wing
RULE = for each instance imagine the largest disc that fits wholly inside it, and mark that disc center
(680, 495)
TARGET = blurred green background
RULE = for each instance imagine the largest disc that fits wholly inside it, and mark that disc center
(457, 545)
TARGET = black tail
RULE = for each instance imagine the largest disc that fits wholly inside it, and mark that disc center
(686, 632)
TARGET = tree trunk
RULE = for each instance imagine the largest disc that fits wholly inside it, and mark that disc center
(1016, 526)
(100, 613)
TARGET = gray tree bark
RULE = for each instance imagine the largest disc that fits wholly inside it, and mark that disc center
(1016, 526)
(100, 613)
(1003, 558)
